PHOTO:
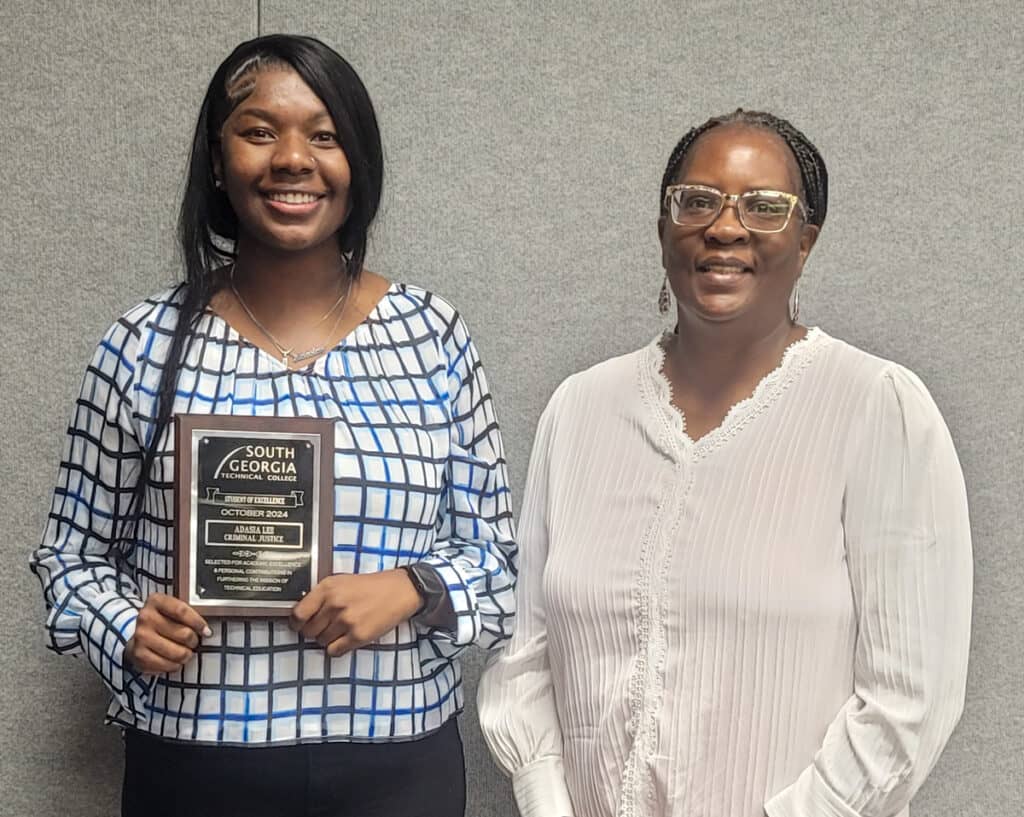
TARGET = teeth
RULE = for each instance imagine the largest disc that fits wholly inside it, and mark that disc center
(292, 198)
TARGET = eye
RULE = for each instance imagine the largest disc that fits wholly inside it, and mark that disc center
(325, 137)
(767, 206)
(698, 202)
(258, 134)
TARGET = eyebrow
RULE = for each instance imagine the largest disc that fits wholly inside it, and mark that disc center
(260, 113)
(750, 189)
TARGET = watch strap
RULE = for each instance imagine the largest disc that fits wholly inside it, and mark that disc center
(436, 607)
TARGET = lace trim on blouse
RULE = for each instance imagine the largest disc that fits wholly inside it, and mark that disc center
(646, 684)
(796, 357)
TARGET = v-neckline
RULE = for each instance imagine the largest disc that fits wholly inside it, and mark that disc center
(315, 366)
(796, 356)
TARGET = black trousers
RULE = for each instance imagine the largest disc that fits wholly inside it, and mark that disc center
(420, 778)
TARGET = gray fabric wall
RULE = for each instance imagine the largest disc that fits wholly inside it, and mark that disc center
(525, 144)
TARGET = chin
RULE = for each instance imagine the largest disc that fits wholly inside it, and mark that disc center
(718, 310)
(291, 243)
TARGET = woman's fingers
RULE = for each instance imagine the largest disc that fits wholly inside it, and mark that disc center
(344, 644)
(333, 631)
(150, 662)
(177, 633)
(167, 632)
(169, 650)
(180, 612)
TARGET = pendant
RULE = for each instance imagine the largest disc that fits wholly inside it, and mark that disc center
(316, 351)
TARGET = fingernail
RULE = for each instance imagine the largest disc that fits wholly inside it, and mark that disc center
(207, 632)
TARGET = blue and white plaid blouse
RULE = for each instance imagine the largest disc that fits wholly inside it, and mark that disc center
(419, 475)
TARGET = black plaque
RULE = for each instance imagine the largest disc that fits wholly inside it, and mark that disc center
(254, 506)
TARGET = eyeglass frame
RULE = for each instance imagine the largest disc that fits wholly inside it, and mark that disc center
(733, 199)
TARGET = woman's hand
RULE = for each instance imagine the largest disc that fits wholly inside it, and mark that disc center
(344, 612)
(166, 635)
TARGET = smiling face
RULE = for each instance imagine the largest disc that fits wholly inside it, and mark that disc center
(282, 167)
(724, 272)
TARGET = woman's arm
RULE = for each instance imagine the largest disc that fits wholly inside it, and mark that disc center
(515, 697)
(92, 605)
(909, 555)
(474, 551)
(472, 559)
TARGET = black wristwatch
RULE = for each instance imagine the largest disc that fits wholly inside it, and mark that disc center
(429, 585)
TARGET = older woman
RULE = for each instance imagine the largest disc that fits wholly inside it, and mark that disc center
(746, 569)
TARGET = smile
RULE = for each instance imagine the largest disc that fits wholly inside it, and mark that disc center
(723, 272)
(294, 197)
(719, 269)
(724, 266)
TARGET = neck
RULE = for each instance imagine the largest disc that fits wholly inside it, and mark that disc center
(288, 283)
(717, 357)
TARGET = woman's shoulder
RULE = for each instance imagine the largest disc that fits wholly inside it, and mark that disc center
(612, 379)
(885, 385)
(133, 336)
(157, 314)
(414, 315)
(868, 368)
(404, 301)
(157, 311)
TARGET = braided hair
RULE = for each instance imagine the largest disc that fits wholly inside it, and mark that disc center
(208, 225)
(813, 174)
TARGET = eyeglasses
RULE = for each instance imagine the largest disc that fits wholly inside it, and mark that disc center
(760, 211)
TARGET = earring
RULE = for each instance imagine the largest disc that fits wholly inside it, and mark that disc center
(664, 301)
(794, 302)
(218, 184)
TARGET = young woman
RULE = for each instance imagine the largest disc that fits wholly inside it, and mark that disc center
(348, 706)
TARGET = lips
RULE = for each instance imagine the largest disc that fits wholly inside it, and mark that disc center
(723, 273)
(723, 265)
(293, 203)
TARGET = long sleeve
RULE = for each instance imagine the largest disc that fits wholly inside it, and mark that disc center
(909, 557)
(419, 475)
(475, 548)
(92, 606)
(515, 697)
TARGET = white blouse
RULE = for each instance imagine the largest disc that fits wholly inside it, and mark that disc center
(771, 620)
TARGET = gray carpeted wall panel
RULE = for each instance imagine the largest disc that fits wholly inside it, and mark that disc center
(99, 102)
(525, 144)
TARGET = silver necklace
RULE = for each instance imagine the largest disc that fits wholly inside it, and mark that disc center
(288, 354)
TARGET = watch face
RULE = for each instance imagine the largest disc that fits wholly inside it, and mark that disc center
(417, 580)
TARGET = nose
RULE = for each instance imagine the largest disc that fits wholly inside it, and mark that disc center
(293, 156)
(727, 227)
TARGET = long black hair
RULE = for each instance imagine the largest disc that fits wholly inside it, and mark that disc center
(208, 225)
(813, 174)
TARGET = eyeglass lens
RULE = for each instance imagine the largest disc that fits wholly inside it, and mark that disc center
(758, 210)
